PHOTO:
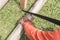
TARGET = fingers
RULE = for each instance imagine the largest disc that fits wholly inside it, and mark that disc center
(24, 19)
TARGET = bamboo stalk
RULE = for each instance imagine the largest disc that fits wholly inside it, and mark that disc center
(23, 4)
(2, 3)
(36, 8)
(16, 34)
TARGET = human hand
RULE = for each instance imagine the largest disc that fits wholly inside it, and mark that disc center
(24, 19)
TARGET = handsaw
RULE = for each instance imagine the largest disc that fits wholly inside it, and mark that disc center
(17, 32)
(2, 3)
(52, 20)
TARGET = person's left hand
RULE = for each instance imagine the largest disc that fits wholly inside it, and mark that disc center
(24, 19)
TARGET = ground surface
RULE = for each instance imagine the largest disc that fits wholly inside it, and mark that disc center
(12, 12)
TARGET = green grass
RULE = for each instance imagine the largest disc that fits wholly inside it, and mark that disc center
(50, 9)
(12, 12)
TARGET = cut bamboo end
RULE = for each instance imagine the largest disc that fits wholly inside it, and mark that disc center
(23, 4)
(2, 3)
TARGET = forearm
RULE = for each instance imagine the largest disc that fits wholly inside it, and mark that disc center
(28, 26)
